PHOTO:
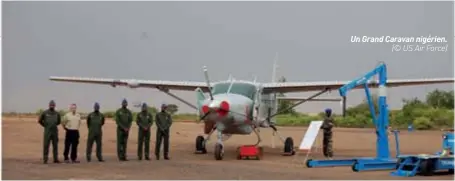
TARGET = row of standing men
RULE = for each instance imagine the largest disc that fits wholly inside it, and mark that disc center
(50, 119)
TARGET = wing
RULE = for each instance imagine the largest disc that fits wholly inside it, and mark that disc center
(315, 86)
(312, 100)
(159, 84)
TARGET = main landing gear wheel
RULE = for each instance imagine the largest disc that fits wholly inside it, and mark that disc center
(427, 167)
(219, 153)
(289, 146)
(200, 145)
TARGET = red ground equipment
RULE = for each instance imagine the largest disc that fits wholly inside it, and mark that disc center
(249, 152)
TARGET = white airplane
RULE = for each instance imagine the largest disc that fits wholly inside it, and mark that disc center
(238, 106)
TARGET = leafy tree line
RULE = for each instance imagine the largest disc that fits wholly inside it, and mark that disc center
(436, 111)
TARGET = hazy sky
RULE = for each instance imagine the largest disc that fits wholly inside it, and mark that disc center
(173, 40)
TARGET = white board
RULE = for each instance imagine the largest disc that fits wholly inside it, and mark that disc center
(310, 135)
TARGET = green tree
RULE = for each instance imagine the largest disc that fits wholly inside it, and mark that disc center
(39, 111)
(172, 108)
(440, 99)
(283, 105)
(364, 108)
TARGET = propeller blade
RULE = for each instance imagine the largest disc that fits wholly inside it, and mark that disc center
(206, 74)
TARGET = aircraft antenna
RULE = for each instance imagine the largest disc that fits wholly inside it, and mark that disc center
(208, 82)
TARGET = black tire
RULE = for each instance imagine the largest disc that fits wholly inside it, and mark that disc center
(308, 163)
(219, 152)
(353, 167)
(289, 146)
(200, 144)
(451, 171)
(426, 167)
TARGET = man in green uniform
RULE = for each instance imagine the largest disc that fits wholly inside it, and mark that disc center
(163, 124)
(95, 122)
(123, 118)
(49, 120)
(144, 121)
(327, 126)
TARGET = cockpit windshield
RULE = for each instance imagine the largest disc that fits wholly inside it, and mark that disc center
(245, 89)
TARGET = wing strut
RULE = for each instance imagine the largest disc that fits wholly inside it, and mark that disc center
(295, 105)
(176, 97)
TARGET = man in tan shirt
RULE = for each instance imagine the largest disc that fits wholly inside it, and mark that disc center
(71, 123)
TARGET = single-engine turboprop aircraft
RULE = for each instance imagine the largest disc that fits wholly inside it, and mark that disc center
(240, 107)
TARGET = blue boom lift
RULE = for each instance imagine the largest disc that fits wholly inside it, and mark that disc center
(411, 165)
(382, 161)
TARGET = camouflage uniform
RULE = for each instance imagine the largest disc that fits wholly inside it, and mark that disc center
(327, 126)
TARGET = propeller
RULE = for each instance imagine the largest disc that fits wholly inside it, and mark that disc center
(206, 74)
(207, 80)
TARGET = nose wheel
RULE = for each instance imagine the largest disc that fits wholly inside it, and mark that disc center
(200, 145)
(219, 152)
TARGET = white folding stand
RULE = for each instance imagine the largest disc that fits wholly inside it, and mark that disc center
(309, 138)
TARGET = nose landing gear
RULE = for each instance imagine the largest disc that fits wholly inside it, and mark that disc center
(219, 152)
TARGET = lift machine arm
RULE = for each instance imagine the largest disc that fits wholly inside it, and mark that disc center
(381, 121)
(382, 161)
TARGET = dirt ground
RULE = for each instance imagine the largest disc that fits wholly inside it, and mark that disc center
(22, 150)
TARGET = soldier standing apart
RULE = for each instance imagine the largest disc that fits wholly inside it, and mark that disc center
(144, 121)
(327, 126)
(123, 118)
(163, 124)
(71, 123)
(95, 122)
(49, 120)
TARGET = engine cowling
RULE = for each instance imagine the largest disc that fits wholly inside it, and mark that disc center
(133, 84)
